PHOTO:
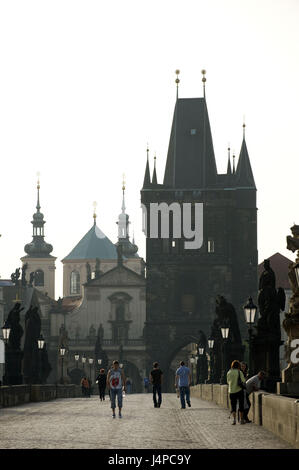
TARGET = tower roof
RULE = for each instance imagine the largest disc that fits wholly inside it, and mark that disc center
(93, 245)
(190, 159)
(147, 176)
(244, 175)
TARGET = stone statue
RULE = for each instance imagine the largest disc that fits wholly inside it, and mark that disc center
(32, 333)
(101, 333)
(15, 277)
(226, 314)
(16, 331)
(92, 331)
(24, 269)
(270, 302)
(88, 272)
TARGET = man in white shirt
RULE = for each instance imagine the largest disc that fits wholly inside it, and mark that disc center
(252, 385)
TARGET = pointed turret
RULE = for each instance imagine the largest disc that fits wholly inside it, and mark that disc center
(229, 168)
(154, 178)
(244, 175)
(128, 249)
(147, 176)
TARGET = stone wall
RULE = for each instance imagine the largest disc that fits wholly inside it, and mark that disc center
(276, 413)
(19, 394)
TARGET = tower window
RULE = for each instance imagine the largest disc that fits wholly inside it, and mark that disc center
(211, 246)
(192, 131)
(75, 282)
(39, 280)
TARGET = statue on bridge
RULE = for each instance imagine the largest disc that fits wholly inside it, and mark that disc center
(31, 358)
(13, 372)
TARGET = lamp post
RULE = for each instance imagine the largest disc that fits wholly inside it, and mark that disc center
(62, 353)
(90, 360)
(83, 361)
(250, 311)
(6, 332)
(211, 372)
(77, 357)
(224, 333)
(40, 344)
(201, 351)
(192, 360)
(99, 361)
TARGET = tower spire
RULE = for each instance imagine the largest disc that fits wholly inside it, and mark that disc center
(244, 127)
(147, 177)
(234, 168)
(123, 207)
(204, 82)
(154, 178)
(38, 187)
(229, 168)
(94, 212)
(177, 81)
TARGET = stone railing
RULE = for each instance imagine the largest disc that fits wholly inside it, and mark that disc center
(276, 413)
(13, 395)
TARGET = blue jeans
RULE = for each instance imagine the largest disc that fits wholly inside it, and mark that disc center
(116, 392)
(157, 390)
(184, 391)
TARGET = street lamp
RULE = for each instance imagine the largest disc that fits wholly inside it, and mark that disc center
(211, 346)
(192, 361)
(6, 332)
(62, 353)
(250, 311)
(224, 333)
(90, 360)
(83, 360)
(77, 356)
(99, 361)
(40, 344)
(211, 343)
(121, 366)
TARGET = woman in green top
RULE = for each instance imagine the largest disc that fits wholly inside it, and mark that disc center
(234, 389)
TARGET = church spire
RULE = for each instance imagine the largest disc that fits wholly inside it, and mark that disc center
(244, 175)
(147, 176)
(229, 168)
(177, 81)
(154, 178)
(204, 82)
(128, 249)
(94, 213)
(38, 248)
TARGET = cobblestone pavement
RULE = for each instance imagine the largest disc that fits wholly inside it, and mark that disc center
(87, 423)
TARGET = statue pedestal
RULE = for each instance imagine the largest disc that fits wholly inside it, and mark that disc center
(13, 363)
(290, 375)
(265, 356)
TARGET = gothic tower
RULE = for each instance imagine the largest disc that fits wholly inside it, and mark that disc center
(38, 259)
(183, 282)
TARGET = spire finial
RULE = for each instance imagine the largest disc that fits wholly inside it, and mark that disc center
(204, 82)
(94, 212)
(234, 168)
(155, 158)
(244, 126)
(177, 81)
(38, 187)
(123, 207)
(147, 150)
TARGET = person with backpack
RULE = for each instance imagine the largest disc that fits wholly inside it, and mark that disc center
(236, 384)
(116, 383)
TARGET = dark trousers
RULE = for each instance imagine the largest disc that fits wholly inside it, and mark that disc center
(184, 392)
(157, 390)
(237, 397)
(102, 392)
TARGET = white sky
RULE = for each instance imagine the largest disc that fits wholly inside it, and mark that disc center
(84, 85)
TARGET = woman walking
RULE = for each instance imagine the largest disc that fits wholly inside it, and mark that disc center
(235, 380)
(101, 381)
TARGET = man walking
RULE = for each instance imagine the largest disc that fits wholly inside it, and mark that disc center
(252, 385)
(116, 382)
(182, 381)
(101, 381)
(156, 377)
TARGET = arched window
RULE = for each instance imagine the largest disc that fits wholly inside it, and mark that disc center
(75, 282)
(39, 278)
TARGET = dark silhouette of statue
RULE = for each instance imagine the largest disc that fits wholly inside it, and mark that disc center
(13, 359)
(226, 315)
(270, 302)
(32, 333)
(99, 353)
(202, 362)
(88, 272)
(16, 331)
(24, 269)
(15, 277)
(45, 365)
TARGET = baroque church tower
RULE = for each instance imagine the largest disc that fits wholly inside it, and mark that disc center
(40, 264)
(182, 283)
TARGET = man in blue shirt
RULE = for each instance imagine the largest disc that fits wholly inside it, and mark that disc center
(182, 380)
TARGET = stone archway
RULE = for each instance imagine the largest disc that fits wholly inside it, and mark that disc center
(132, 372)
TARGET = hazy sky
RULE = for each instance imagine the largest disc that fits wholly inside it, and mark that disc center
(84, 85)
